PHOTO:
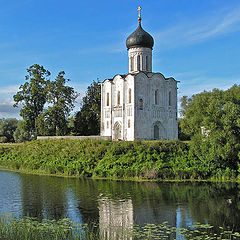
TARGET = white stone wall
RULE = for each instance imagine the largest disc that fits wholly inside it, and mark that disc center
(142, 106)
(106, 116)
(117, 110)
(155, 119)
(145, 57)
(173, 125)
(129, 108)
(161, 114)
(121, 111)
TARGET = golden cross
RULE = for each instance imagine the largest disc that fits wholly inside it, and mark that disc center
(139, 15)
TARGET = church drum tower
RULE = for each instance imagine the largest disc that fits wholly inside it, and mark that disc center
(140, 104)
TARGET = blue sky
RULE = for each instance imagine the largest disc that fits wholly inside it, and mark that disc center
(196, 42)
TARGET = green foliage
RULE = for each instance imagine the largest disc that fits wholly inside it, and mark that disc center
(21, 134)
(87, 120)
(3, 139)
(32, 96)
(7, 129)
(54, 121)
(217, 147)
(182, 135)
(135, 160)
(147, 160)
(32, 229)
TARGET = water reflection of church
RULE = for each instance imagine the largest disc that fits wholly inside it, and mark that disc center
(118, 217)
(115, 218)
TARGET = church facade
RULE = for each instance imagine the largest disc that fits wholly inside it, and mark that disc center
(140, 105)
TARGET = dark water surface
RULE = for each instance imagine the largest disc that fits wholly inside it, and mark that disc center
(120, 202)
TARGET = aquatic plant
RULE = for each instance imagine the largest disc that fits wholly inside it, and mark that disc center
(32, 229)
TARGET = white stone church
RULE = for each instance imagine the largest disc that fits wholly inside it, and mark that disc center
(140, 104)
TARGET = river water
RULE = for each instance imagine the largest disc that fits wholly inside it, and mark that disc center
(107, 203)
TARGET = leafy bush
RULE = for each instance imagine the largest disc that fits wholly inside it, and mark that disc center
(3, 139)
(98, 158)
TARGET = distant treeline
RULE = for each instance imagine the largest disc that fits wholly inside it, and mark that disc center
(124, 160)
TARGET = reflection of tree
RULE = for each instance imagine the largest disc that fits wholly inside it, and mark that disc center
(86, 191)
(204, 202)
(213, 205)
(32, 198)
(43, 197)
(55, 197)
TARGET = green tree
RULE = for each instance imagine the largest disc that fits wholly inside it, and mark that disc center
(218, 112)
(7, 129)
(21, 134)
(54, 121)
(32, 96)
(87, 120)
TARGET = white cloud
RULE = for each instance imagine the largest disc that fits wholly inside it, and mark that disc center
(6, 102)
(199, 84)
(12, 89)
(6, 108)
(200, 29)
(81, 89)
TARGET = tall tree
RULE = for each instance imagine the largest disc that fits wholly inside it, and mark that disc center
(87, 120)
(54, 121)
(32, 95)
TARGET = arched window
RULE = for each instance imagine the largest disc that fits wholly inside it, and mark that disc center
(140, 104)
(118, 98)
(156, 97)
(107, 99)
(170, 99)
(138, 63)
(131, 63)
(156, 132)
(130, 95)
(129, 123)
(146, 63)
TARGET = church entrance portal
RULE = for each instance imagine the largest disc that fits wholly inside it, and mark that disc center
(117, 131)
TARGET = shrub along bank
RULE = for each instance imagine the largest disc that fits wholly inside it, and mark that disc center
(99, 158)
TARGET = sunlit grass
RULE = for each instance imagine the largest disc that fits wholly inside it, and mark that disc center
(32, 229)
(140, 160)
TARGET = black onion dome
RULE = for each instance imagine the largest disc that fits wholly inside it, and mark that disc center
(140, 38)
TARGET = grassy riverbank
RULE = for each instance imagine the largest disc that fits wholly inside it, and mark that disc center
(32, 229)
(106, 159)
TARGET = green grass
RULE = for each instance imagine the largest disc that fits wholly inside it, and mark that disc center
(32, 229)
